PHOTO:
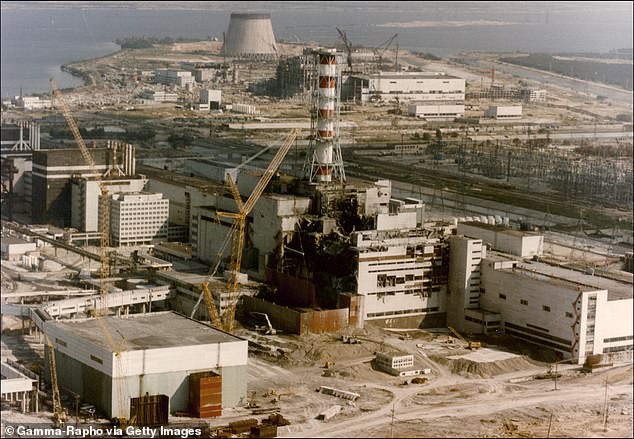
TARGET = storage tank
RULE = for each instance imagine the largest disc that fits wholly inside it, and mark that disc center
(250, 35)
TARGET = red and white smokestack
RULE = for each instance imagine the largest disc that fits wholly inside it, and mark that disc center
(326, 115)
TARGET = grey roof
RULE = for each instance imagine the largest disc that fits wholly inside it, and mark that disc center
(146, 331)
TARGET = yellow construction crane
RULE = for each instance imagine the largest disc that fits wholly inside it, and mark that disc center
(59, 413)
(104, 230)
(473, 345)
(104, 207)
(237, 238)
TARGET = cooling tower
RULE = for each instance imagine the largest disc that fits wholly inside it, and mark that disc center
(250, 35)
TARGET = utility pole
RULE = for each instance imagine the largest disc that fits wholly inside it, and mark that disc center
(392, 424)
(550, 422)
(605, 406)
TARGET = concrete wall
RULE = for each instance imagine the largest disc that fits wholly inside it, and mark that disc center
(417, 86)
(464, 280)
(294, 321)
(112, 396)
(94, 386)
(402, 220)
(318, 322)
(614, 321)
(513, 242)
(436, 111)
(541, 309)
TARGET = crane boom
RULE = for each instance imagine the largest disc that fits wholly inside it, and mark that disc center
(104, 207)
(59, 414)
(348, 46)
(240, 225)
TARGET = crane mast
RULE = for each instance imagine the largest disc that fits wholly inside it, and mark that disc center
(237, 238)
(104, 207)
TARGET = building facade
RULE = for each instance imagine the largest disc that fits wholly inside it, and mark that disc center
(53, 171)
(408, 86)
(112, 362)
(138, 218)
(402, 273)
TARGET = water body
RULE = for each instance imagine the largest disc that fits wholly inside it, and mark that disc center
(38, 37)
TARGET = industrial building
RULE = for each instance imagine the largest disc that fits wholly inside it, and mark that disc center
(436, 111)
(498, 237)
(148, 354)
(180, 78)
(504, 112)
(573, 313)
(85, 198)
(396, 363)
(53, 171)
(428, 87)
(19, 138)
(33, 103)
(402, 272)
(250, 35)
(13, 248)
(138, 218)
(156, 97)
(213, 98)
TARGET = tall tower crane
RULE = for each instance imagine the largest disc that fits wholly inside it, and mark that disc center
(59, 413)
(348, 45)
(237, 235)
(104, 206)
(380, 50)
(104, 230)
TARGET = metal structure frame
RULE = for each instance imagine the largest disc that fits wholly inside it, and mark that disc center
(314, 166)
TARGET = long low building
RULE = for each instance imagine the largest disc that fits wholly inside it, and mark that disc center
(112, 362)
(407, 86)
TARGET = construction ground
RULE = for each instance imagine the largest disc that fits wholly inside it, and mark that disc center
(504, 389)
(491, 392)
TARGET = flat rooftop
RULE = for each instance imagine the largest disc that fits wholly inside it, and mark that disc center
(484, 355)
(499, 228)
(617, 290)
(146, 331)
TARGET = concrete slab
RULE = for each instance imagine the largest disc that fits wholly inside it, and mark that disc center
(147, 331)
(484, 355)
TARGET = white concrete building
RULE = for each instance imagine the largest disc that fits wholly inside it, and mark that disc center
(402, 273)
(498, 237)
(180, 78)
(571, 312)
(273, 218)
(85, 196)
(151, 96)
(537, 95)
(396, 363)
(33, 103)
(155, 354)
(433, 110)
(13, 248)
(138, 218)
(213, 98)
(506, 112)
(409, 86)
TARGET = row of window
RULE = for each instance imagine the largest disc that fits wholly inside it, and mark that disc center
(480, 322)
(525, 302)
(404, 311)
(615, 339)
(624, 348)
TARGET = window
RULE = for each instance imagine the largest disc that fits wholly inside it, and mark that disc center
(503, 296)
(524, 302)
(569, 315)
(546, 308)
